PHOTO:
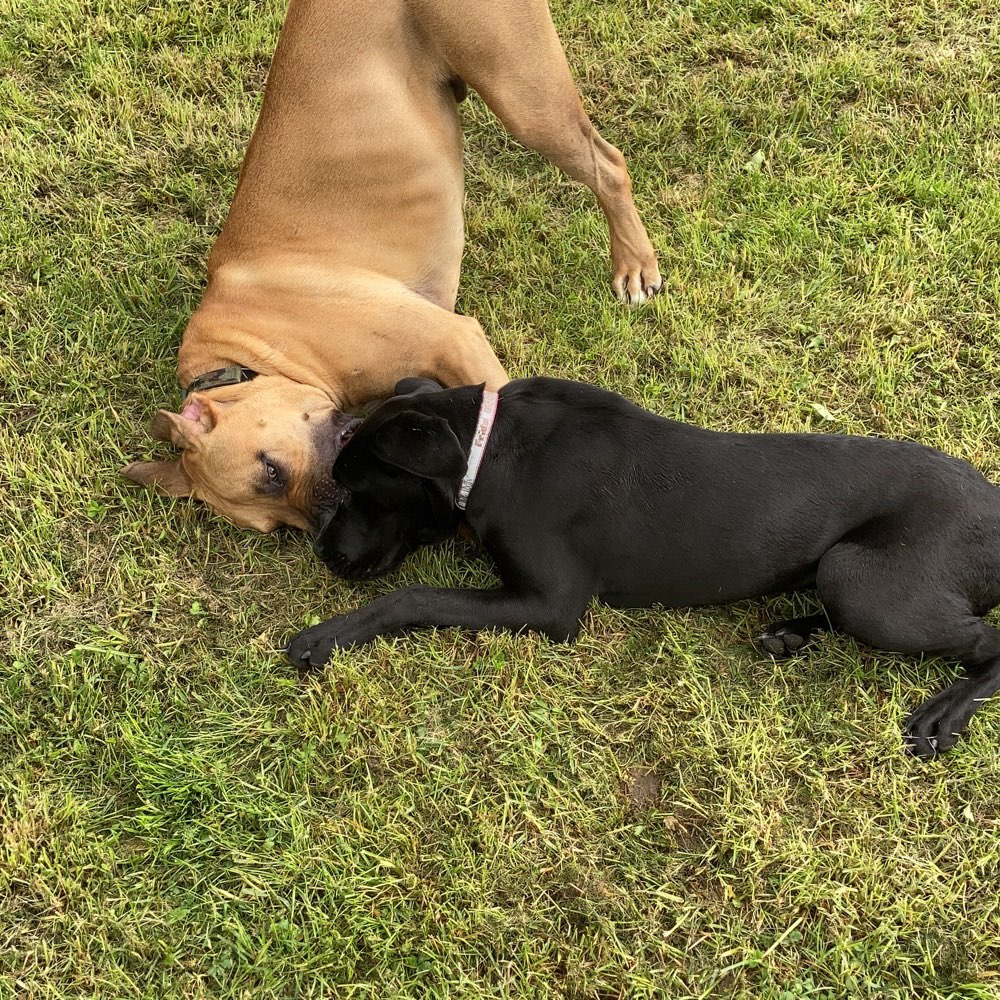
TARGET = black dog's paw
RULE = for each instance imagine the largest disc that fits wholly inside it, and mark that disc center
(784, 639)
(934, 728)
(311, 648)
(781, 644)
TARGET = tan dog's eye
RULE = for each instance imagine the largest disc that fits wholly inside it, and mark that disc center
(274, 473)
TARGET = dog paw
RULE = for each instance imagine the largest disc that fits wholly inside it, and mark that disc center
(312, 647)
(785, 639)
(636, 280)
(935, 727)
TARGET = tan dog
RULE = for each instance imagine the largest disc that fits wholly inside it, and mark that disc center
(337, 270)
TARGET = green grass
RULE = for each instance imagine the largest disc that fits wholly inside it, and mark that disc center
(655, 811)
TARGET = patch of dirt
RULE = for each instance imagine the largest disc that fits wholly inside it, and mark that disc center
(642, 788)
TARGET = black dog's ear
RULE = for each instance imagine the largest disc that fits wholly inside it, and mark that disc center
(421, 444)
(414, 384)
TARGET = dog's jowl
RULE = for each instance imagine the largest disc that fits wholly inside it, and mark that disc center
(582, 494)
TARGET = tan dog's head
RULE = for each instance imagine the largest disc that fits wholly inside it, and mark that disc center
(260, 453)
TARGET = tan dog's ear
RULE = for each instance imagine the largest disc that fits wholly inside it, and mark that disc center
(162, 426)
(168, 476)
(180, 429)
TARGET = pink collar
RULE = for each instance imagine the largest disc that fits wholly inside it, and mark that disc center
(487, 414)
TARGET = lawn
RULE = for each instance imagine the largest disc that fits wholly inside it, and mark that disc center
(658, 810)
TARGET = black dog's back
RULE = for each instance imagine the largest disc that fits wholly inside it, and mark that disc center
(678, 515)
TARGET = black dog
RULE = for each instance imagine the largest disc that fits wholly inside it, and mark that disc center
(583, 494)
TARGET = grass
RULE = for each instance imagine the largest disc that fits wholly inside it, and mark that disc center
(657, 811)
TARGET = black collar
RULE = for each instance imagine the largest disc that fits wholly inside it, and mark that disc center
(233, 375)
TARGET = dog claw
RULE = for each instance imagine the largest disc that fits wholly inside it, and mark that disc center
(920, 745)
(633, 289)
(914, 748)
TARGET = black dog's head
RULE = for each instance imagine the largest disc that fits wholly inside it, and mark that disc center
(400, 471)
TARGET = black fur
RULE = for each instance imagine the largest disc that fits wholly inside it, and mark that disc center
(583, 494)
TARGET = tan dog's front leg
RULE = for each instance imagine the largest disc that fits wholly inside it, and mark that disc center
(412, 337)
(515, 61)
(466, 357)
(565, 136)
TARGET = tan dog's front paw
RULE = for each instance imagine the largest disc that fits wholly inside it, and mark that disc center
(636, 278)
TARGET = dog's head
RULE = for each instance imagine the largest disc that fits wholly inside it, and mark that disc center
(260, 452)
(399, 475)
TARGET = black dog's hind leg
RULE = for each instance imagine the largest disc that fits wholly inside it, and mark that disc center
(883, 596)
(935, 726)
(554, 614)
(787, 638)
